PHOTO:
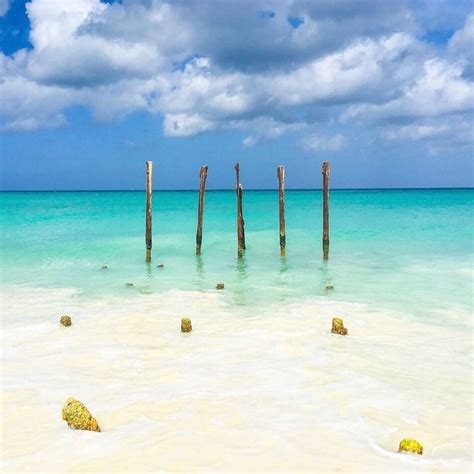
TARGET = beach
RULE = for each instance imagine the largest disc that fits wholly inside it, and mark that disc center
(260, 384)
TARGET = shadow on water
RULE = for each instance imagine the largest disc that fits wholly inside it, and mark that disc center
(148, 270)
(326, 276)
(242, 274)
(282, 276)
(146, 289)
(241, 290)
(282, 280)
(200, 275)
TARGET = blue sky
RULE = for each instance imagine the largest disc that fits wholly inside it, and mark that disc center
(90, 90)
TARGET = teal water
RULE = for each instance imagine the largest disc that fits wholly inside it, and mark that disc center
(404, 249)
(260, 384)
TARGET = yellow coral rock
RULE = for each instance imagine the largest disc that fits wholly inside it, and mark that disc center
(186, 325)
(65, 320)
(338, 327)
(78, 416)
(410, 446)
(220, 286)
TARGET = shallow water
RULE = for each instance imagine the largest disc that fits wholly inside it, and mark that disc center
(260, 384)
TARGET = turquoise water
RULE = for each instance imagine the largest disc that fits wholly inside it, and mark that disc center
(405, 249)
(260, 384)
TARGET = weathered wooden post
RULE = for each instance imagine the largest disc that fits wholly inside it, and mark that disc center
(281, 192)
(242, 222)
(148, 239)
(202, 189)
(325, 210)
(240, 217)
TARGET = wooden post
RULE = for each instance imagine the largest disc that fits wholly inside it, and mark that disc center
(148, 239)
(281, 192)
(240, 217)
(242, 222)
(325, 210)
(202, 189)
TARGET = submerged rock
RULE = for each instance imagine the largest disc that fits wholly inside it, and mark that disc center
(128, 284)
(78, 416)
(104, 267)
(338, 327)
(65, 320)
(186, 325)
(409, 445)
(220, 286)
(329, 287)
(160, 265)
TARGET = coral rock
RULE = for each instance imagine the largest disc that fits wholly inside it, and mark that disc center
(329, 287)
(410, 446)
(129, 284)
(338, 327)
(65, 320)
(78, 416)
(104, 267)
(220, 286)
(186, 325)
(160, 265)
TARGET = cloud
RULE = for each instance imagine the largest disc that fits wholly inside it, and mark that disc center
(360, 72)
(416, 132)
(324, 143)
(441, 15)
(267, 70)
(4, 6)
(185, 125)
(440, 134)
(440, 90)
(67, 53)
(265, 128)
(29, 124)
(462, 40)
(461, 47)
(27, 105)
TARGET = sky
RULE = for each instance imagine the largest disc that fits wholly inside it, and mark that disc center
(90, 90)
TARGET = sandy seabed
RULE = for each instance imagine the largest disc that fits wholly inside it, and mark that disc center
(248, 390)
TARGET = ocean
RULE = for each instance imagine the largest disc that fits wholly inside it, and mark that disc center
(260, 384)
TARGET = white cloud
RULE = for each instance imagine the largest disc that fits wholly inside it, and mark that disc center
(365, 70)
(463, 40)
(461, 47)
(225, 98)
(4, 5)
(29, 124)
(440, 134)
(440, 90)
(265, 128)
(415, 132)
(185, 125)
(26, 105)
(324, 143)
(66, 54)
(358, 60)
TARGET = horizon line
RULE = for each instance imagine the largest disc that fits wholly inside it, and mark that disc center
(226, 189)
